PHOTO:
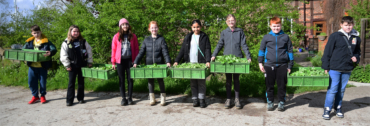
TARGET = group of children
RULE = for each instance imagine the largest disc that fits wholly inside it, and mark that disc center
(275, 59)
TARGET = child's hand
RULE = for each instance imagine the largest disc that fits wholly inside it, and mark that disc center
(114, 67)
(47, 53)
(175, 64)
(289, 70)
(208, 64)
(168, 64)
(134, 65)
(262, 68)
(213, 58)
(69, 69)
(354, 59)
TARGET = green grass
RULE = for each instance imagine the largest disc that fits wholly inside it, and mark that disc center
(251, 85)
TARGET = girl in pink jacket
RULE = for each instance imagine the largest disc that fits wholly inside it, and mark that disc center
(125, 48)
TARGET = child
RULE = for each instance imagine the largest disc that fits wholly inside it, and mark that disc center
(275, 59)
(340, 54)
(232, 38)
(154, 47)
(124, 51)
(75, 53)
(196, 48)
(38, 70)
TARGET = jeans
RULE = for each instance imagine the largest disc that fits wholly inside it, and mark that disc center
(35, 75)
(337, 86)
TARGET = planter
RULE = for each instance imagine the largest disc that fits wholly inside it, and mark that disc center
(307, 80)
(143, 71)
(322, 38)
(99, 74)
(241, 68)
(189, 73)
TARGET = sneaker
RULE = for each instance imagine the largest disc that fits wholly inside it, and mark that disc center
(270, 106)
(281, 106)
(33, 100)
(69, 104)
(123, 102)
(195, 102)
(130, 102)
(43, 100)
(237, 103)
(339, 113)
(81, 102)
(326, 114)
(227, 104)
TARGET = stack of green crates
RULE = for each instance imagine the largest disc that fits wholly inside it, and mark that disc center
(307, 80)
(143, 71)
(241, 68)
(26, 55)
(189, 73)
(99, 74)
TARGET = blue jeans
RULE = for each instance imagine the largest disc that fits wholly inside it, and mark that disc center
(337, 86)
(34, 76)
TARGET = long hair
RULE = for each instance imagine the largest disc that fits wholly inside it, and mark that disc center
(70, 38)
(122, 32)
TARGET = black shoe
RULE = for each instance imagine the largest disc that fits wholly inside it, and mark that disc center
(130, 102)
(195, 102)
(203, 103)
(69, 104)
(123, 102)
(81, 102)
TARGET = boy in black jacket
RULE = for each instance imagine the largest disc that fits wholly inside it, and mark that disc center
(275, 59)
(340, 54)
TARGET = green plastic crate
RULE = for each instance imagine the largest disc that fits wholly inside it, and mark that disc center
(241, 68)
(140, 72)
(14, 54)
(189, 73)
(307, 80)
(99, 74)
(26, 55)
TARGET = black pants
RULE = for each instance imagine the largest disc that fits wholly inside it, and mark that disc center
(122, 69)
(151, 85)
(229, 79)
(73, 74)
(279, 75)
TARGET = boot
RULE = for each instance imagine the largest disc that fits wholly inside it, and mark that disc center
(152, 99)
(237, 103)
(227, 104)
(270, 106)
(203, 103)
(163, 99)
(195, 102)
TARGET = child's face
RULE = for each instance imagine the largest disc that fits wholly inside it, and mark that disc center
(125, 26)
(231, 22)
(196, 28)
(275, 28)
(346, 27)
(75, 33)
(153, 29)
(36, 34)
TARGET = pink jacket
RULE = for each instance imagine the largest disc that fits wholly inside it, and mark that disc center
(116, 49)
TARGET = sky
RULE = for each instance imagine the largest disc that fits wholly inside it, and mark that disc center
(23, 6)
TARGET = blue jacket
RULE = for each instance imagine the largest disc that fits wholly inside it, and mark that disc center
(276, 50)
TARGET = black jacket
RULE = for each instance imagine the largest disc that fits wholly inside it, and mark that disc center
(204, 45)
(337, 56)
(154, 51)
(233, 41)
(276, 50)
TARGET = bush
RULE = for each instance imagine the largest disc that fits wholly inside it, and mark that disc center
(316, 60)
(361, 74)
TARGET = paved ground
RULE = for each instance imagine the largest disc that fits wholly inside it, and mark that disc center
(103, 108)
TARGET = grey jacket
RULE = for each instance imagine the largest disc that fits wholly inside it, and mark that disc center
(154, 51)
(232, 41)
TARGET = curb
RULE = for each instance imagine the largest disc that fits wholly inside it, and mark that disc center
(358, 84)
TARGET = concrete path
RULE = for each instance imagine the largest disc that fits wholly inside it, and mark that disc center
(103, 108)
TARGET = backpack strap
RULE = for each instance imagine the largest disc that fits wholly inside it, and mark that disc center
(349, 46)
